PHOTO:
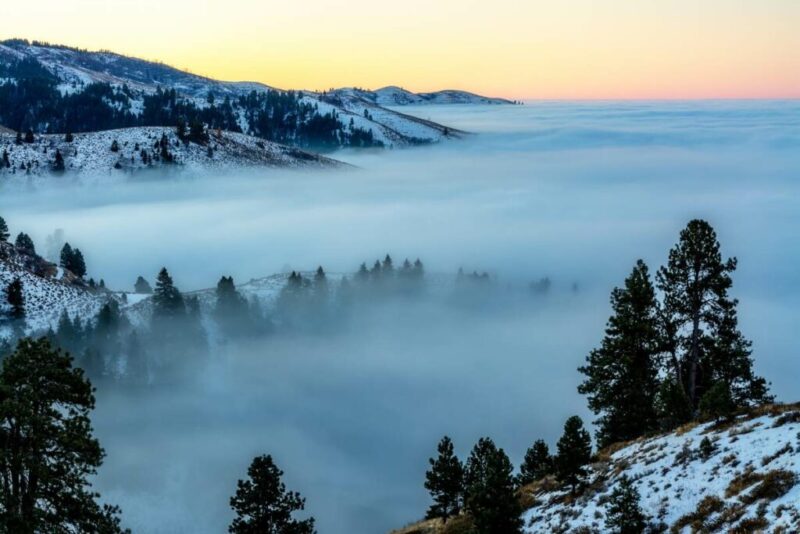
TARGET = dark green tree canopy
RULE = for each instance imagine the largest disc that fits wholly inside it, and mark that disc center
(624, 515)
(622, 375)
(445, 482)
(4, 235)
(49, 453)
(24, 243)
(574, 452)
(538, 463)
(490, 497)
(264, 506)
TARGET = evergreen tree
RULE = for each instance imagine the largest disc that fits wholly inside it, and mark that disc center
(167, 300)
(538, 463)
(717, 403)
(58, 162)
(29, 136)
(24, 243)
(709, 346)
(490, 497)
(142, 286)
(232, 311)
(622, 375)
(445, 481)
(4, 235)
(263, 505)
(672, 404)
(78, 265)
(624, 515)
(47, 474)
(15, 296)
(574, 452)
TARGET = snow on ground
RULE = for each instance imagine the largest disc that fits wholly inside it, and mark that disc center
(92, 154)
(749, 482)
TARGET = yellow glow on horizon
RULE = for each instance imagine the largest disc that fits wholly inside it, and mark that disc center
(517, 49)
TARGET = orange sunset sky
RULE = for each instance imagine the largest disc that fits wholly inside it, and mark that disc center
(516, 49)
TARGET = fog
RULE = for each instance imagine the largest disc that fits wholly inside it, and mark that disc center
(573, 191)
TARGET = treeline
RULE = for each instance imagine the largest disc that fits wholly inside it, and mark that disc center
(32, 100)
(672, 353)
(49, 456)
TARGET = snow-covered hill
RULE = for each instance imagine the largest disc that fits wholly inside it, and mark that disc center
(747, 481)
(76, 69)
(140, 149)
(397, 96)
(48, 290)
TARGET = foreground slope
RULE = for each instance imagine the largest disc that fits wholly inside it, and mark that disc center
(747, 481)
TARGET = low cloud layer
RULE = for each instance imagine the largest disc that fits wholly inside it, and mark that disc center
(573, 191)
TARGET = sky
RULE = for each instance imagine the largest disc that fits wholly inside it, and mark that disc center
(571, 49)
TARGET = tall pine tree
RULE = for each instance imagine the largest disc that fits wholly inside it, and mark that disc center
(624, 515)
(445, 482)
(709, 347)
(490, 497)
(263, 505)
(622, 375)
(538, 463)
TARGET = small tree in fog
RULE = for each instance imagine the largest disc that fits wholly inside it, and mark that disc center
(142, 286)
(4, 235)
(264, 506)
(445, 481)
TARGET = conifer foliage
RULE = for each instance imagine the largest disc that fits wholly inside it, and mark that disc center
(490, 497)
(538, 463)
(445, 480)
(622, 375)
(46, 476)
(624, 515)
(574, 452)
(263, 505)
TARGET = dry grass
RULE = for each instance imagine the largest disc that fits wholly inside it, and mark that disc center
(696, 520)
(770, 485)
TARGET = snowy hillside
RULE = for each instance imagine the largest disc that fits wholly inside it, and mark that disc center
(396, 96)
(745, 479)
(78, 69)
(120, 152)
(48, 291)
(747, 482)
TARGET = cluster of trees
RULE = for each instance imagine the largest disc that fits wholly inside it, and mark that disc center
(485, 488)
(49, 456)
(664, 361)
(31, 101)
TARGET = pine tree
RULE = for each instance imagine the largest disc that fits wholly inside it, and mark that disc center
(538, 463)
(24, 243)
(58, 162)
(445, 481)
(574, 452)
(29, 136)
(48, 473)
(717, 403)
(4, 235)
(624, 515)
(15, 296)
(77, 264)
(622, 375)
(167, 300)
(142, 286)
(263, 505)
(672, 404)
(490, 497)
(709, 346)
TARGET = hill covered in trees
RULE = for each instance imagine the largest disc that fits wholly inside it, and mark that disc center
(57, 89)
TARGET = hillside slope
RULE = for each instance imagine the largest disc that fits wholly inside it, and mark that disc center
(77, 69)
(397, 96)
(748, 482)
(141, 149)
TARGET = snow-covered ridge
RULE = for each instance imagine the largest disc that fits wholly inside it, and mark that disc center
(48, 290)
(121, 152)
(748, 482)
(397, 96)
(77, 68)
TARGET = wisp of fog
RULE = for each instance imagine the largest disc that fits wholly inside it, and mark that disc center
(576, 192)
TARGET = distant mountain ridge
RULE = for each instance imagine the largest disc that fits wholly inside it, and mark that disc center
(53, 88)
(397, 96)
